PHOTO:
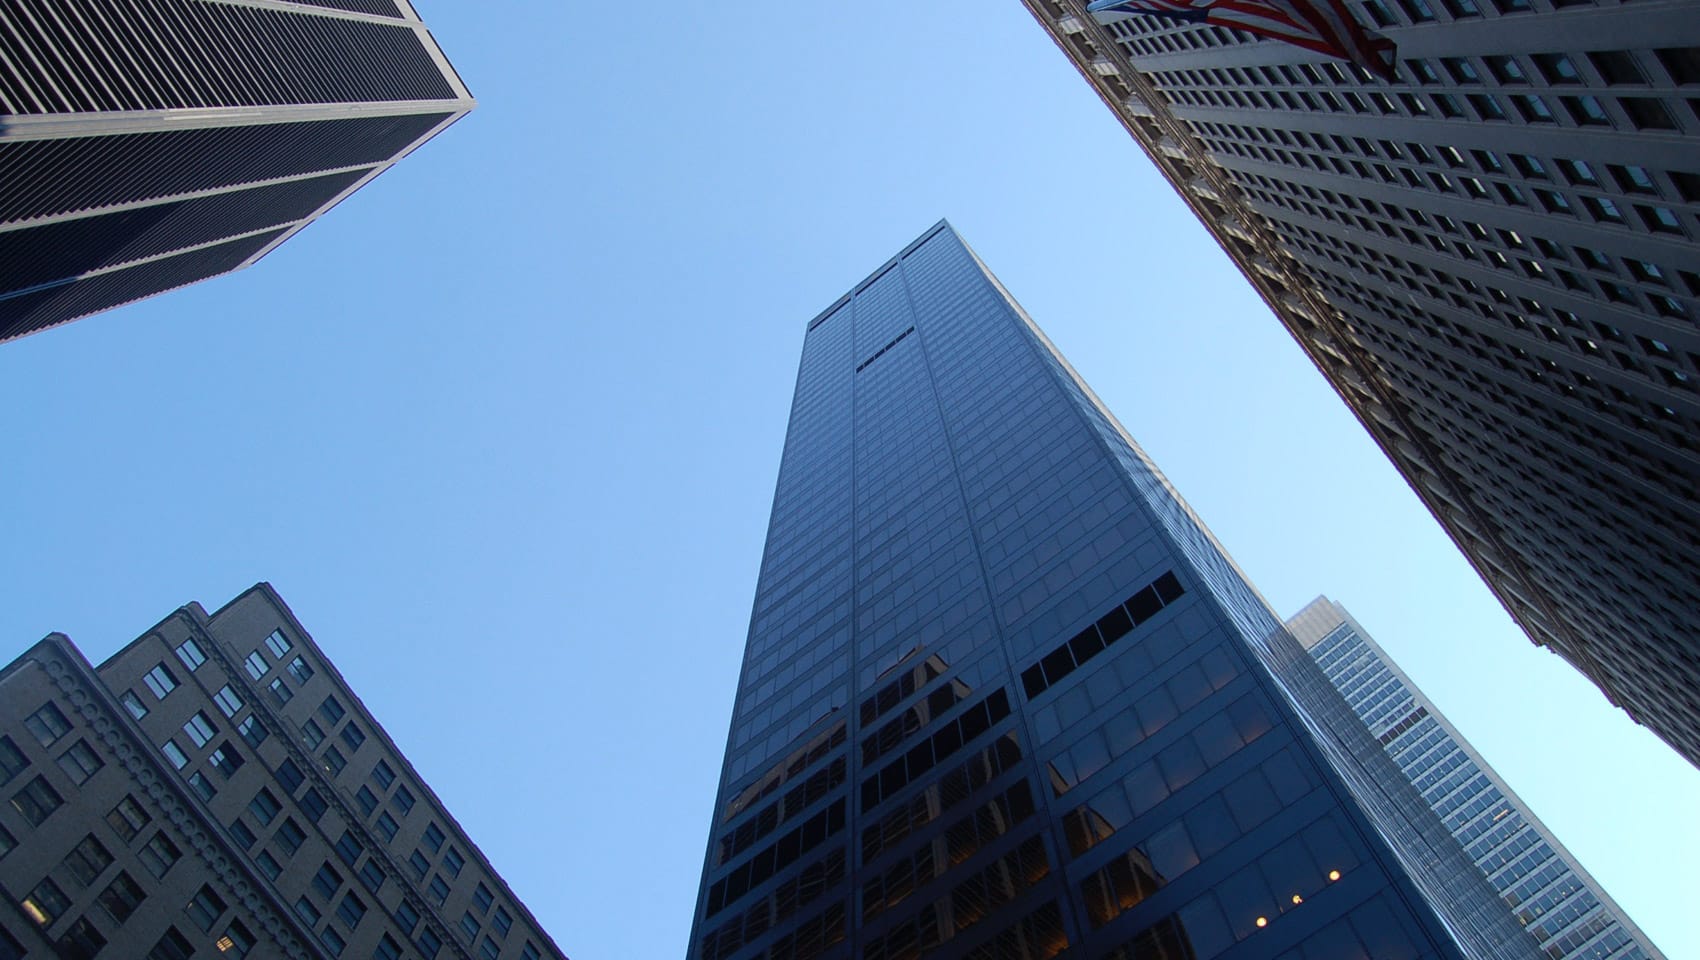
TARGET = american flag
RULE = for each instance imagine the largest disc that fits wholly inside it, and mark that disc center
(1325, 26)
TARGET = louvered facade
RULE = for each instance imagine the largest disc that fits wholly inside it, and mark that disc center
(148, 144)
(1005, 698)
(1493, 260)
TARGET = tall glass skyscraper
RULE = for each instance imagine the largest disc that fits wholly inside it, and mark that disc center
(1563, 907)
(1003, 696)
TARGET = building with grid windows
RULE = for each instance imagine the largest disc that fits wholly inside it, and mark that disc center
(216, 790)
(147, 146)
(1493, 260)
(1562, 907)
(1003, 696)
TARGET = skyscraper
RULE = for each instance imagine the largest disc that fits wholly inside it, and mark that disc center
(147, 146)
(1004, 697)
(216, 790)
(1562, 907)
(1493, 261)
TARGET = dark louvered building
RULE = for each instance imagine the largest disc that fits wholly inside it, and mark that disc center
(148, 145)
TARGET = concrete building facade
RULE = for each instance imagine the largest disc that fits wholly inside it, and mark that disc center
(215, 789)
(1493, 260)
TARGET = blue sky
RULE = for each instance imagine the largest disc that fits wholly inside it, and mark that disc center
(503, 427)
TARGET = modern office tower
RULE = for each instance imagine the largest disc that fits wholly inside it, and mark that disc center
(216, 790)
(1004, 697)
(144, 147)
(1554, 898)
(1493, 261)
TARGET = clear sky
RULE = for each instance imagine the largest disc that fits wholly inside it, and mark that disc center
(503, 427)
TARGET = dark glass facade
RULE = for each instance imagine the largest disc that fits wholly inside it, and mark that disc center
(1004, 696)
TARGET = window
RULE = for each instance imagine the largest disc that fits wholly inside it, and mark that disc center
(127, 819)
(353, 736)
(290, 776)
(243, 836)
(161, 681)
(8, 843)
(333, 761)
(334, 944)
(351, 910)
(227, 700)
(226, 760)
(312, 735)
(434, 837)
(452, 862)
(313, 805)
(1587, 111)
(268, 865)
(46, 902)
(253, 731)
(308, 912)
(172, 946)
(489, 950)
(236, 942)
(47, 724)
(428, 943)
(87, 860)
(502, 921)
(470, 926)
(190, 653)
(371, 876)
(280, 692)
(387, 949)
(326, 881)
(420, 865)
(290, 836)
(12, 760)
(332, 711)
(203, 786)
(121, 897)
(36, 801)
(299, 669)
(387, 827)
(80, 941)
(438, 891)
(402, 800)
(264, 807)
(257, 665)
(406, 917)
(175, 754)
(482, 896)
(200, 729)
(133, 704)
(278, 644)
(205, 907)
(530, 952)
(79, 762)
(1557, 68)
(382, 775)
(367, 800)
(349, 847)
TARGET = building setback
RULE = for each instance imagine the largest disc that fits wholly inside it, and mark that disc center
(1493, 261)
(1562, 907)
(148, 146)
(1003, 696)
(216, 790)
